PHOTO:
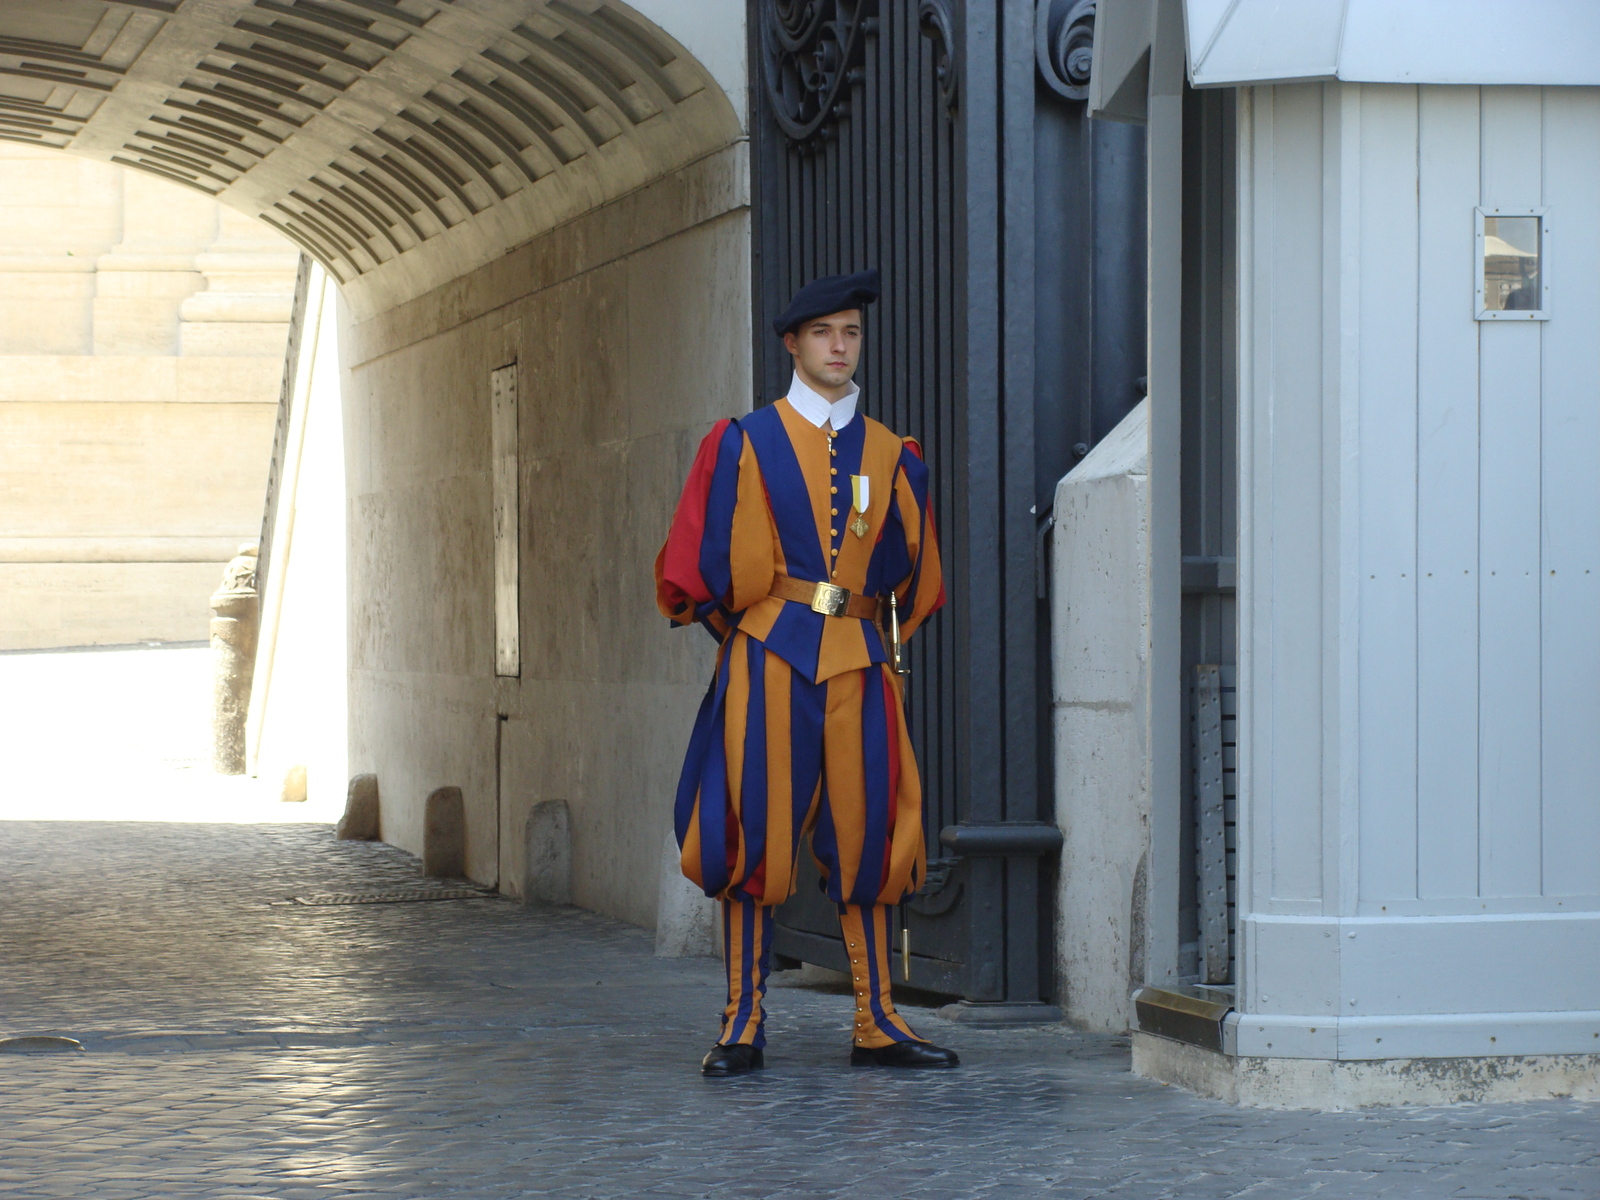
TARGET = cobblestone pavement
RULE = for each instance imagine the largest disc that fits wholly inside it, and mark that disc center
(240, 1047)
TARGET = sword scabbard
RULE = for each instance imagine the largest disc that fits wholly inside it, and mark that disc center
(896, 652)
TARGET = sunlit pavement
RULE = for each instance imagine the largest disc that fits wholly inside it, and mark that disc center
(240, 1044)
(124, 734)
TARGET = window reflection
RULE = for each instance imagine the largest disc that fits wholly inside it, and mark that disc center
(1511, 264)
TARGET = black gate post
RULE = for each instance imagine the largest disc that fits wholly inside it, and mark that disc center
(945, 142)
(1001, 832)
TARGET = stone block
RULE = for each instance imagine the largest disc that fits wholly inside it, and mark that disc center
(1363, 1084)
(294, 785)
(1100, 637)
(44, 604)
(444, 834)
(547, 866)
(686, 919)
(232, 339)
(360, 820)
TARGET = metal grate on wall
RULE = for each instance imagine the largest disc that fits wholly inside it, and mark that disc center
(1213, 727)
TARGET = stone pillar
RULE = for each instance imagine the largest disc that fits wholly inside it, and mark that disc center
(686, 921)
(361, 814)
(235, 623)
(547, 863)
(444, 834)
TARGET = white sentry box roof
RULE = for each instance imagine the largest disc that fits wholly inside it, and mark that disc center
(1551, 42)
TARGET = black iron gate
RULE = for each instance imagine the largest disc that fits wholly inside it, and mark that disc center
(947, 145)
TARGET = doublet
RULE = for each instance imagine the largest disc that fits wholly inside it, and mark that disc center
(802, 727)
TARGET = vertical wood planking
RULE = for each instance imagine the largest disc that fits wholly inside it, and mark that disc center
(1510, 746)
(1447, 495)
(1387, 287)
(1294, 251)
(1571, 497)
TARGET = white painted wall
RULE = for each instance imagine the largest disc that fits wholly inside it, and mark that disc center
(1419, 578)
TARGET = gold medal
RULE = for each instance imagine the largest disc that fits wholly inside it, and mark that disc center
(861, 494)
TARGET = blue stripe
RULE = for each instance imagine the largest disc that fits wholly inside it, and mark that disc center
(763, 965)
(807, 707)
(747, 926)
(786, 493)
(825, 848)
(714, 793)
(753, 787)
(891, 558)
(796, 637)
(869, 923)
(917, 476)
(693, 765)
(875, 755)
(728, 965)
(716, 542)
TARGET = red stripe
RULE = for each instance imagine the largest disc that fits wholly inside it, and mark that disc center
(680, 575)
(931, 538)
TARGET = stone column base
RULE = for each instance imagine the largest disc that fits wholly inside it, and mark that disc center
(1340, 1085)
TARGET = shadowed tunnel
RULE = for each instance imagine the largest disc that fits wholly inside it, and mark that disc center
(495, 184)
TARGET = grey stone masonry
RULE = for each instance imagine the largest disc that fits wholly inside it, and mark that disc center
(241, 1045)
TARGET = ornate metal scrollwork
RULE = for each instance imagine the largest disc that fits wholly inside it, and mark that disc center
(811, 54)
(933, 18)
(1065, 45)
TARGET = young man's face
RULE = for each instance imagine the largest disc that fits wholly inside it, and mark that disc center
(826, 349)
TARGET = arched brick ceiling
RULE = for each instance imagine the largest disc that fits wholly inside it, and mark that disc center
(399, 142)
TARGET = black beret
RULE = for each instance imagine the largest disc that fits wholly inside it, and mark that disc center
(820, 297)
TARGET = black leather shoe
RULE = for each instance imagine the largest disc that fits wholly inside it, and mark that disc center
(904, 1054)
(731, 1060)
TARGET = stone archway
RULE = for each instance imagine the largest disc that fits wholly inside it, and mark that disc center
(399, 142)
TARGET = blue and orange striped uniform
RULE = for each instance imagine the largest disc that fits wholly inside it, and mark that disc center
(802, 729)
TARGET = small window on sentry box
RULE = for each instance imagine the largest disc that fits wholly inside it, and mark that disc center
(1511, 280)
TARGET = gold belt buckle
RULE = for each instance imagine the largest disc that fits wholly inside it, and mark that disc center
(830, 600)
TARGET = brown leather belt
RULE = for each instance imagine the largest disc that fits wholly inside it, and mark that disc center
(826, 598)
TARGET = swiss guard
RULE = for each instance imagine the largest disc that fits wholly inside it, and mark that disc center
(804, 543)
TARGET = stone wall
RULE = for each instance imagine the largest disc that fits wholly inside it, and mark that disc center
(630, 328)
(141, 342)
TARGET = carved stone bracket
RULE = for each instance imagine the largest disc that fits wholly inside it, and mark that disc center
(811, 55)
(1065, 45)
(933, 18)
